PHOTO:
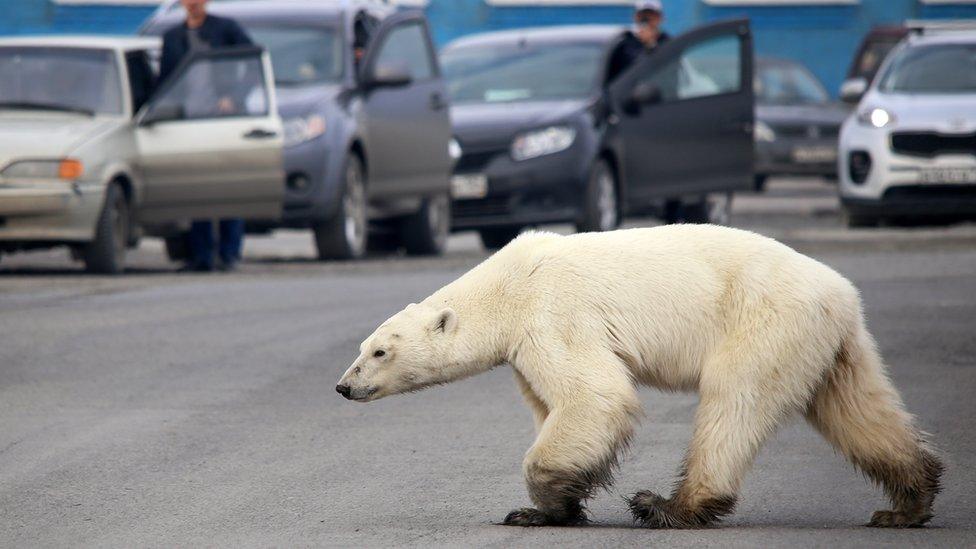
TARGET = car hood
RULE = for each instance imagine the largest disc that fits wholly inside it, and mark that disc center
(825, 114)
(482, 125)
(297, 101)
(42, 135)
(945, 113)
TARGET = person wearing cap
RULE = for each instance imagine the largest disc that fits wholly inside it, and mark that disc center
(645, 38)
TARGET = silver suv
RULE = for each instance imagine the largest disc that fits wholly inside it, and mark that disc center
(94, 156)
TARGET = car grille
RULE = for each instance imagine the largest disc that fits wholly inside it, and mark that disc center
(932, 192)
(490, 206)
(932, 144)
(809, 131)
(476, 161)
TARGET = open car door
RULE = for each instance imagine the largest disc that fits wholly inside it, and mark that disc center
(408, 126)
(685, 115)
(210, 141)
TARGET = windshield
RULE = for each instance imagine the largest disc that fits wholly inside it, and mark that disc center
(302, 55)
(788, 84)
(66, 79)
(943, 68)
(522, 73)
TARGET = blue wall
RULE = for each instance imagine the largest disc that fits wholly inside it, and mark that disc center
(823, 37)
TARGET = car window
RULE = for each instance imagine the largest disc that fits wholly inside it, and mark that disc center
(219, 86)
(787, 84)
(302, 55)
(522, 72)
(142, 79)
(61, 79)
(406, 47)
(710, 67)
(944, 68)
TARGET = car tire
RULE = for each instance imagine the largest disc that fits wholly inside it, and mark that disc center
(759, 183)
(344, 236)
(714, 209)
(497, 237)
(426, 232)
(178, 247)
(106, 253)
(601, 209)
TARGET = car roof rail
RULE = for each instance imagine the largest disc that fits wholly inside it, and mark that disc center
(930, 26)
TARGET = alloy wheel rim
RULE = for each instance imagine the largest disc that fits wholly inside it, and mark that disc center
(719, 209)
(355, 210)
(438, 219)
(607, 202)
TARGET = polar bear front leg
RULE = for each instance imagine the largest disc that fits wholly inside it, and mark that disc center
(576, 449)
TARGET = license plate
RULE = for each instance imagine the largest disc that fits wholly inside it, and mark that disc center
(474, 185)
(947, 175)
(814, 155)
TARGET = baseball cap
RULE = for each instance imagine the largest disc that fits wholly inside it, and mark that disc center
(649, 5)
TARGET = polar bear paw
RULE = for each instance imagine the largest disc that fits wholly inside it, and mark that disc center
(894, 519)
(654, 511)
(527, 516)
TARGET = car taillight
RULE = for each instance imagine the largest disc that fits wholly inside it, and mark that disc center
(859, 166)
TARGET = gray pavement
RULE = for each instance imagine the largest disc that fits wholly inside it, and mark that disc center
(160, 409)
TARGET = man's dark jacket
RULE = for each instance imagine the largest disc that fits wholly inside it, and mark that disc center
(628, 51)
(216, 31)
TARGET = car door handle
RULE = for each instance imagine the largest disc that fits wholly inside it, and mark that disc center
(260, 133)
(437, 102)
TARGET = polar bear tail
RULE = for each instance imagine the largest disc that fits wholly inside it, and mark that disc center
(862, 415)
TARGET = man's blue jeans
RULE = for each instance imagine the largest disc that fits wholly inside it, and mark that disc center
(202, 242)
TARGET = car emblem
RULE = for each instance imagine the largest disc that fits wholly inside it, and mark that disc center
(813, 132)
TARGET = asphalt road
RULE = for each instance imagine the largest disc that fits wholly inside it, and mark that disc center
(160, 409)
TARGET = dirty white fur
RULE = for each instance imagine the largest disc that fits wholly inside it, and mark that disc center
(757, 329)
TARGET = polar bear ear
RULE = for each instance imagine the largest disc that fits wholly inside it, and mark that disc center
(446, 321)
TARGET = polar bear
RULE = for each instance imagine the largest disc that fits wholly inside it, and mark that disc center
(760, 331)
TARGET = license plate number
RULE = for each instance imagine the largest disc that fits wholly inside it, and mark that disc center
(947, 175)
(814, 155)
(469, 186)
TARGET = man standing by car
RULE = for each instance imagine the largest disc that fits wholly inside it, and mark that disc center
(647, 36)
(199, 32)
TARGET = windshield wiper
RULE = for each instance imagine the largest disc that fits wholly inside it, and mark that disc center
(30, 105)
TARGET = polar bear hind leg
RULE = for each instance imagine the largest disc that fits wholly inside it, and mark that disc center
(861, 414)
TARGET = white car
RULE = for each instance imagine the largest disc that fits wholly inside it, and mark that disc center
(94, 155)
(908, 152)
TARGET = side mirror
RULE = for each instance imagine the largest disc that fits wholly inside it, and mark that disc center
(162, 113)
(643, 94)
(390, 75)
(853, 89)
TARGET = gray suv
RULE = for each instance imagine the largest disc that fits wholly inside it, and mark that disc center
(367, 128)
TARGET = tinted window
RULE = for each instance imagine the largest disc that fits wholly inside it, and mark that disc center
(948, 68)
(522, 72)
(302, 55)
(788, 84)
(710, 67)
(141, 78)
(221, 86)
(61, 78)
(406, 47)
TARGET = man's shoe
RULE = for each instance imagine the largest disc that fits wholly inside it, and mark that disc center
(227, 266)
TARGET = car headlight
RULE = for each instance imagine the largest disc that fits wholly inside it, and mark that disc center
(875, 117)
(542, 142)
(764, 133)
(67, 169)
(454, 149)
(302, 129)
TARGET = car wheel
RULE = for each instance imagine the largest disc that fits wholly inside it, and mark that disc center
(715, 209)
(426, 232)
(497, 237)
(860, 221)
(344, 236)
(106, 254)
(601, 211)
(178, 247)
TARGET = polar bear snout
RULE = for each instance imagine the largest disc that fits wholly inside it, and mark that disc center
(344, 390)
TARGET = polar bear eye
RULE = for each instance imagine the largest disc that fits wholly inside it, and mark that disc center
(379, 354)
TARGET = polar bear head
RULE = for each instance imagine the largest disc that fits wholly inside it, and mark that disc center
(412, 350)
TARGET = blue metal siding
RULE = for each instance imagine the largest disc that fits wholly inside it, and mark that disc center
(822, 37)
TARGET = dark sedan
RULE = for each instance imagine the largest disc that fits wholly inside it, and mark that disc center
(796, 122)
(546, 137)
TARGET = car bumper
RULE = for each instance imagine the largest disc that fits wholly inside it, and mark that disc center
(797, 157)
(311, 185)
(55, 212)
(917, 201)
(543, 190)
